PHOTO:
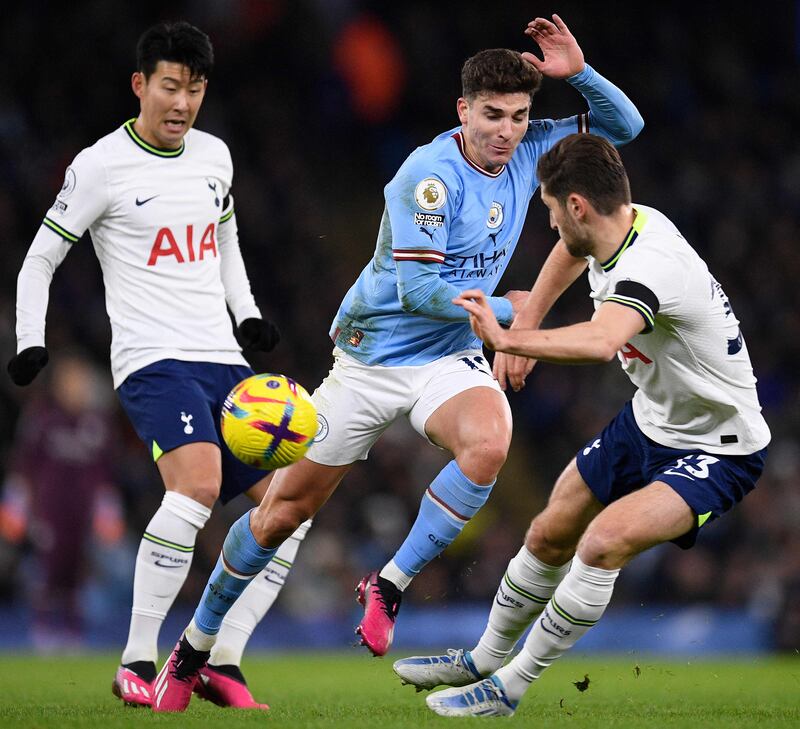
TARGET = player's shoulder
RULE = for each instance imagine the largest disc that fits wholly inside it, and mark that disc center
(206, 141)
(439, 159)
(656, 230)
(656, 242)
(92, 160)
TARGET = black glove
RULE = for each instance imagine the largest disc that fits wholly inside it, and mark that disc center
(24, 366)
(260, 335)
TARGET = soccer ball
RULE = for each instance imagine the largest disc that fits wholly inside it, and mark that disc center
(268, 421)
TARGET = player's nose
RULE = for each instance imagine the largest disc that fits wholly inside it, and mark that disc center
(505, 128)
(181, 102)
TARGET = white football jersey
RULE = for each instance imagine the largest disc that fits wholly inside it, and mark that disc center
(695, 383)
(162, 226)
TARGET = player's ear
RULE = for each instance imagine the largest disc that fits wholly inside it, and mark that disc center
(462, 107)
(577, 205)
(137, 83)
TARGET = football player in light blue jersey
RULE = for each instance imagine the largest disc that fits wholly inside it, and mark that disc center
(454, 212)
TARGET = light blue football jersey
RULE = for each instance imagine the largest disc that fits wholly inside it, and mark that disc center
(448, 226)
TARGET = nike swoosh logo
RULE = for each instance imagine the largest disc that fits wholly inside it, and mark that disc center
(159, 563)
(501, 604)
(547, 630)
(142, 202)
(245, 396)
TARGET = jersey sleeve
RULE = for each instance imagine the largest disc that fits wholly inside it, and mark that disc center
(33, 285)
(650, 282)
(421, 206)
(611, 113)
(82, 199)
(238, 294)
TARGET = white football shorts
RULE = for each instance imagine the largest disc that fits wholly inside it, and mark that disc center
(356, 402)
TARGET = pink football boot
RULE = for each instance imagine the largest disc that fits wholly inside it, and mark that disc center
(172, 689)
(132, 688)
(225, 686)
(381, 601)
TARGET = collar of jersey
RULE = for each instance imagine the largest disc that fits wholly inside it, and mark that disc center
(638, 223)
(157, 151)
(461, 148)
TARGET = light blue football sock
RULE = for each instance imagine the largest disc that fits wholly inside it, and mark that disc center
(241, 560)
(449, 503)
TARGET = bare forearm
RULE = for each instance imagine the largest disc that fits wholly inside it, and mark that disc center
(559, 271)
(583, 343)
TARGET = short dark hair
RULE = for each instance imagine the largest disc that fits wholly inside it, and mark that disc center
(588, 165)
(178, 42)
(498, 71)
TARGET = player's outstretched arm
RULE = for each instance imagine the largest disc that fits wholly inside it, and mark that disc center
(562, 56)
(611, 112)
(482, 319)
(589, 342)
(558, 272)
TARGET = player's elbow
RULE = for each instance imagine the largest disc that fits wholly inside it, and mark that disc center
(606, 348)
(635, 126)
(412, 301)
(626, 128)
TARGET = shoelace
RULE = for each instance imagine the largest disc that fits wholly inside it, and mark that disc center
(493, 692)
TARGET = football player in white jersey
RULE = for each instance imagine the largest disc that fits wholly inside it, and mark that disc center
(686, 449)
(155, 196)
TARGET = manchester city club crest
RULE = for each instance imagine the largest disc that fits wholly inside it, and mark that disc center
(495, 217)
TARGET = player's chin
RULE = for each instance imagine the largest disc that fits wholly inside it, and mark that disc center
(499, 157)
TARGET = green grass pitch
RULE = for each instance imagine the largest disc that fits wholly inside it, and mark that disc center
(352, 690)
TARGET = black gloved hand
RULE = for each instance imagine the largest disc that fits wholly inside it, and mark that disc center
(24, 366)
(260, 335)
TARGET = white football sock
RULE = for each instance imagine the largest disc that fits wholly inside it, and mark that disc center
(395, 575)
(254, 602)
(523, 592)
(577, 604)
(165, 555)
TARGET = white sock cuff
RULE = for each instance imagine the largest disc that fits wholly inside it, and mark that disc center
(532, 562)
(186, 508)
(301, 531)
(594, 575)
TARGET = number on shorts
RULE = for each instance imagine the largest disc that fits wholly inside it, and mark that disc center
(476, 363)
(697, 466)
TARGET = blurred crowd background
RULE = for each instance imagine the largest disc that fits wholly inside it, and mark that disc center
(320, 101)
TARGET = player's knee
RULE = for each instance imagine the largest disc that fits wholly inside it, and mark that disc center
(483, 460)
(274, 524)
(205, 491)
(603, 546)
(547, 543)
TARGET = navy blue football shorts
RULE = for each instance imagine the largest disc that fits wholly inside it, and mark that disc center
(622, 459)
(172, 403)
